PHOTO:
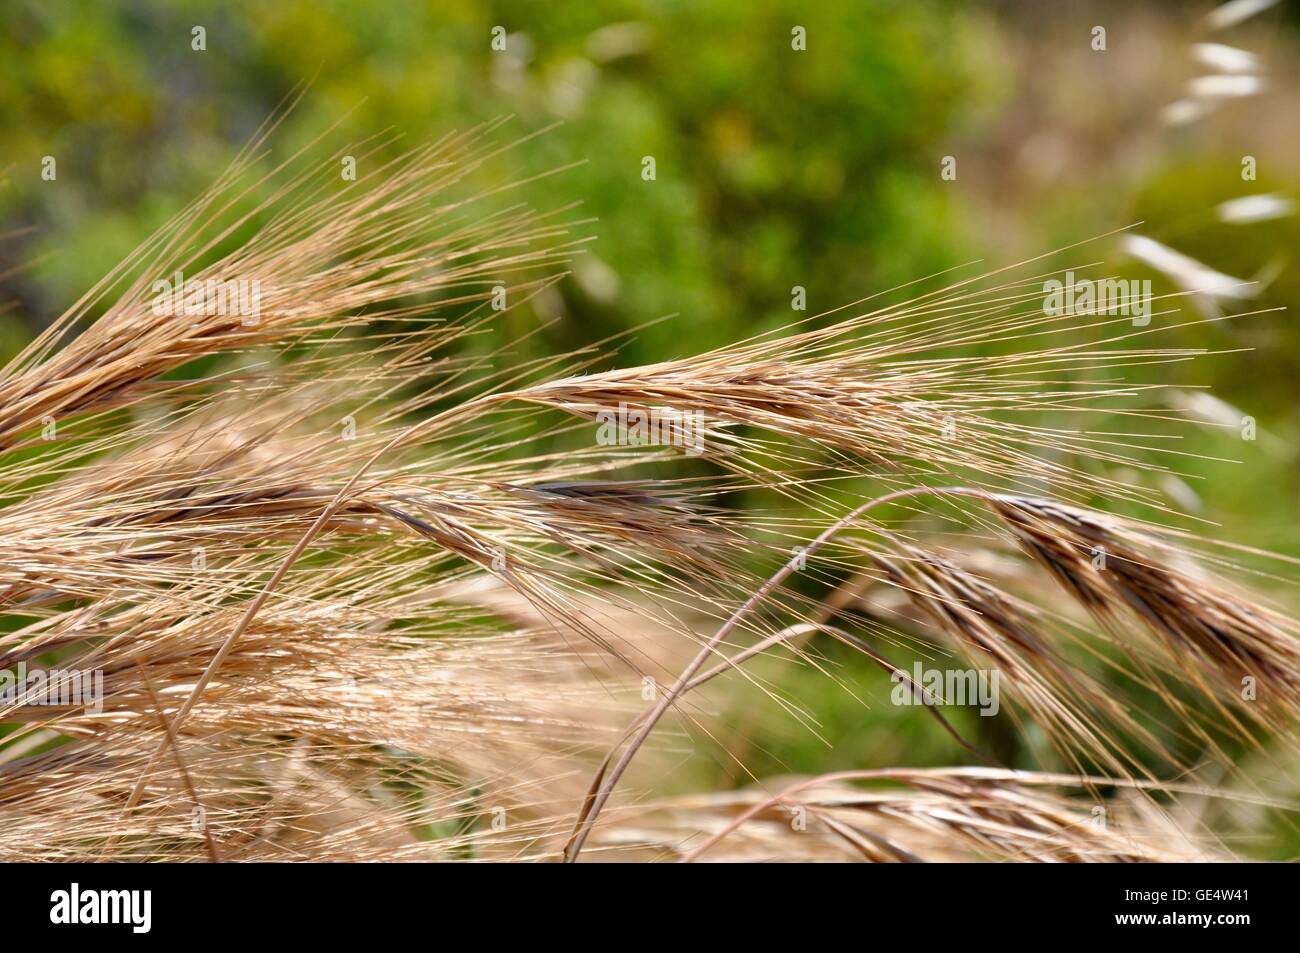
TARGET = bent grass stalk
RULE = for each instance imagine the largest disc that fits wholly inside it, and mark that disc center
(605, 783)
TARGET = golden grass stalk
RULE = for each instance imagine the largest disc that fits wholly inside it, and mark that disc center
(361, 641)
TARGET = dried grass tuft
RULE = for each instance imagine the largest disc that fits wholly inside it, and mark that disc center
(374, 642)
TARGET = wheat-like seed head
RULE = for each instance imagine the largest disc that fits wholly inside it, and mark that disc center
(359, 643)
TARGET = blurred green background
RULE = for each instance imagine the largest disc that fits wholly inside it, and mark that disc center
(775, 167)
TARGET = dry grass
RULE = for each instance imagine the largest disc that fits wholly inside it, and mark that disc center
(946, 815)
(425, 637)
